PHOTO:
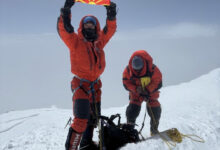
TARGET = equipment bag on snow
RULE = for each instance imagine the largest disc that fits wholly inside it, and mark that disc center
(117, 135)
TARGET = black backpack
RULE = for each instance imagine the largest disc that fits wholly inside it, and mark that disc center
(116, 136)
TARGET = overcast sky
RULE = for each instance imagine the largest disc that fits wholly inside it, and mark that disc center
(182, 37)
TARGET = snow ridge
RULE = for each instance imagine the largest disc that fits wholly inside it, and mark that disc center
(193, 108)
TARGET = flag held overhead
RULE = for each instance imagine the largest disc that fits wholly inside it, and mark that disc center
(95, 2)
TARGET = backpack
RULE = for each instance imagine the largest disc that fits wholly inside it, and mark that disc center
(117, 135)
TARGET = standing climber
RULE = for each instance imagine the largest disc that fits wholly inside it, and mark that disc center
(87, 64)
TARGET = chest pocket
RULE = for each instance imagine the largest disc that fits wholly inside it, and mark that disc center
(145, 81)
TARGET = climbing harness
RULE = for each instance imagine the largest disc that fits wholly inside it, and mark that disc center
(92, 83)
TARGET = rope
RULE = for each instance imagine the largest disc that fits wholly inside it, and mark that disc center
(100, 128)
(175, 135)
(101, 147)
(143, 123)
(169, 143)
(190, 136)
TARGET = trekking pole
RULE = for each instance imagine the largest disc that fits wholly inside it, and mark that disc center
(143, 122)
(100, 122)
(68, 122)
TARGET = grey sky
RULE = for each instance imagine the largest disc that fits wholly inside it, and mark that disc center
(182, 37)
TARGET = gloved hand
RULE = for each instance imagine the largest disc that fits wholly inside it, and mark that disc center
(69, 3)
(145, 98)
(139, 90)
(111, 11)
(65, 13)
(143, 93)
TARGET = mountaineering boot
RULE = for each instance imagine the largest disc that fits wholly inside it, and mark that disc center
(88, 146)
(154, 113)
(73, 139)
(154, 127)
(86, 142)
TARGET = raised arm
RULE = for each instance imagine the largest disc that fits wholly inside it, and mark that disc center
(110, 27)
(64, 27)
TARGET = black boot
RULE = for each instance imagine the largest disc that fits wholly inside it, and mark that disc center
(89, 146)
(86, 142)
(154, 113)
(154, 127)
(73, 139)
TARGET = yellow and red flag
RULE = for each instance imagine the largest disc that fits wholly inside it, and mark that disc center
(95, 2)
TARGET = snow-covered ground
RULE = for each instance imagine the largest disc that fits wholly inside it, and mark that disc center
(193, 108)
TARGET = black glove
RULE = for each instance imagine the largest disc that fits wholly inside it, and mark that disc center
(145, 94)
(142, 92)
(69, 3)
(65, 13)
(111, 11)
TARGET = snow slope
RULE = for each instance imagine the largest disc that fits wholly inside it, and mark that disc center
(193, 108)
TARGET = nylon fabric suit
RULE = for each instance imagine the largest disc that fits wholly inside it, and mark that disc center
(131, 80)
(87, 62)
(87, 58)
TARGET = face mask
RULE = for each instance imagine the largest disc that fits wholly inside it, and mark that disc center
(90, 34)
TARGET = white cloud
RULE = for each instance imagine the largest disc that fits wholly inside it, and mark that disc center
(176, 31)
(189, 30)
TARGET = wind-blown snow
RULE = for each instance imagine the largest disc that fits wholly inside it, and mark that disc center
(193, 108)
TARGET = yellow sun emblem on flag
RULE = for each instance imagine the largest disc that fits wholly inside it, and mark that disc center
(95, 2)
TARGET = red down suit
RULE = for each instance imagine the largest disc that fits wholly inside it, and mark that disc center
(132, 79)
(87, 63)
